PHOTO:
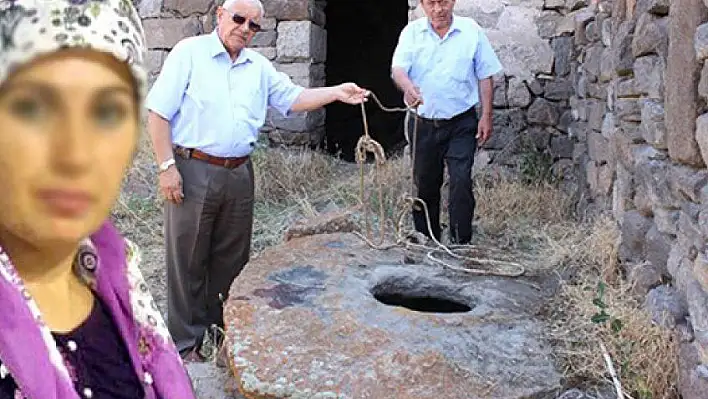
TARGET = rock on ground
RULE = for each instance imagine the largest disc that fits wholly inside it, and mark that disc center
(303, 322)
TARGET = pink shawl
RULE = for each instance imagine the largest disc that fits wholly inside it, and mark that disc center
(108, 264)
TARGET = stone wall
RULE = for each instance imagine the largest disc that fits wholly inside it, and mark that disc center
(641, 151)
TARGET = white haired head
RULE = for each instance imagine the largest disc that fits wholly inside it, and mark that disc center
(230, 3)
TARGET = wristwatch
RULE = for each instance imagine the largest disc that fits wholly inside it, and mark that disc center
(166, 165)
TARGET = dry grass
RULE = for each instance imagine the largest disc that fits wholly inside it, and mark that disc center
(536, 219)
(595, 307)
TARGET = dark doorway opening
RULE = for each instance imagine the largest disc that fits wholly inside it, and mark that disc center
(361, 38)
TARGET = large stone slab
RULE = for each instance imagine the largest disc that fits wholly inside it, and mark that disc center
(682, 77)
(303, 321)
(301, 41)
(164, 33)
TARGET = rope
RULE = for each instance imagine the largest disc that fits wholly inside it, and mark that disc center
(365, 145)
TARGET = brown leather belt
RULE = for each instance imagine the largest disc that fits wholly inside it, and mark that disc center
(193, 153)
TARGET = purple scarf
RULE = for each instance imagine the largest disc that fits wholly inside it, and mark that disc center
(108, 264)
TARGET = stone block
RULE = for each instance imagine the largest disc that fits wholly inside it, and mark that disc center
(301, 40)
(651, 36)
(689, 233)
(622, 57)
(288, 10)
(622, 192)
(641, 201)
(597, 90)
(596, 114)
(703, 84)
(599, 148)
(549, 22)
(701, 42)
(649, 74)
(593, 58)
(656, 248)
(297, 122)
(500, 100)
(508, 125)
(698, 308)
(149, 8)
(634, 228)
(562, 146)
(687, 182)
(563, 55)
(166, 32)
(268, 23)
(628, 88)
(535, 86)
(264, 39)
(268, 52)
(700, 269)
(682, 77)
(188, 7)
(691, 382)
(543, 112)
(654, 175)
(643, 277)
(666, 305)
(702, 136)
(558, 89)
(565, 120)
(154, 60)
(579, 130)
(606, 32)
(628, 109)
(607, 66)
(666, 220)
(653, 127)
(518, 94)
(580, 20)
(680, 267)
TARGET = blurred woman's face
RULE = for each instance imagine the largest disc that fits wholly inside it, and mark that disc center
(68, 130)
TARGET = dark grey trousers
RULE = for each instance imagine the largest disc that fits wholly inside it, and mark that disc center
(208, 241)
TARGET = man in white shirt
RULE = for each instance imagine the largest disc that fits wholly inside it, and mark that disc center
(444, 64)
(206, 109)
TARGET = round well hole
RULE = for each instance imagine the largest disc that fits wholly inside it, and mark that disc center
(420, 296)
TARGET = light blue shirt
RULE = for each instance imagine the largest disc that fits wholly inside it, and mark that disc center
(214, 104)
(446, 70)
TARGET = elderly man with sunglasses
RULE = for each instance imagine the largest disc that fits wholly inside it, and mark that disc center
(444, 65)
(205, 112)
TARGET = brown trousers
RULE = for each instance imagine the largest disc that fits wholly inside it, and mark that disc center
(208, 241)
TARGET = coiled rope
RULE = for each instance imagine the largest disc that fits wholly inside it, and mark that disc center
(462, 253)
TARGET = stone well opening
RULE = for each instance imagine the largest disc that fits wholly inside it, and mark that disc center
(420, 295)
(361, 38)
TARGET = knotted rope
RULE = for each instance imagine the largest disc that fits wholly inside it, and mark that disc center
(462, 253)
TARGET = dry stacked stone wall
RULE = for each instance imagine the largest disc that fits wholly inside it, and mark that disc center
(641, 152)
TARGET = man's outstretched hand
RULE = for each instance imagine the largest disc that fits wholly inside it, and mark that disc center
(350, 93)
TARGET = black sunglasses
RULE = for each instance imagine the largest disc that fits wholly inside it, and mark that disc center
(239, 20)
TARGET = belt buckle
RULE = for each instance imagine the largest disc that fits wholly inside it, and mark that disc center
(230, 163)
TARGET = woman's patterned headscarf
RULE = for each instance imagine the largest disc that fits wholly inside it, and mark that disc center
(29, 28)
